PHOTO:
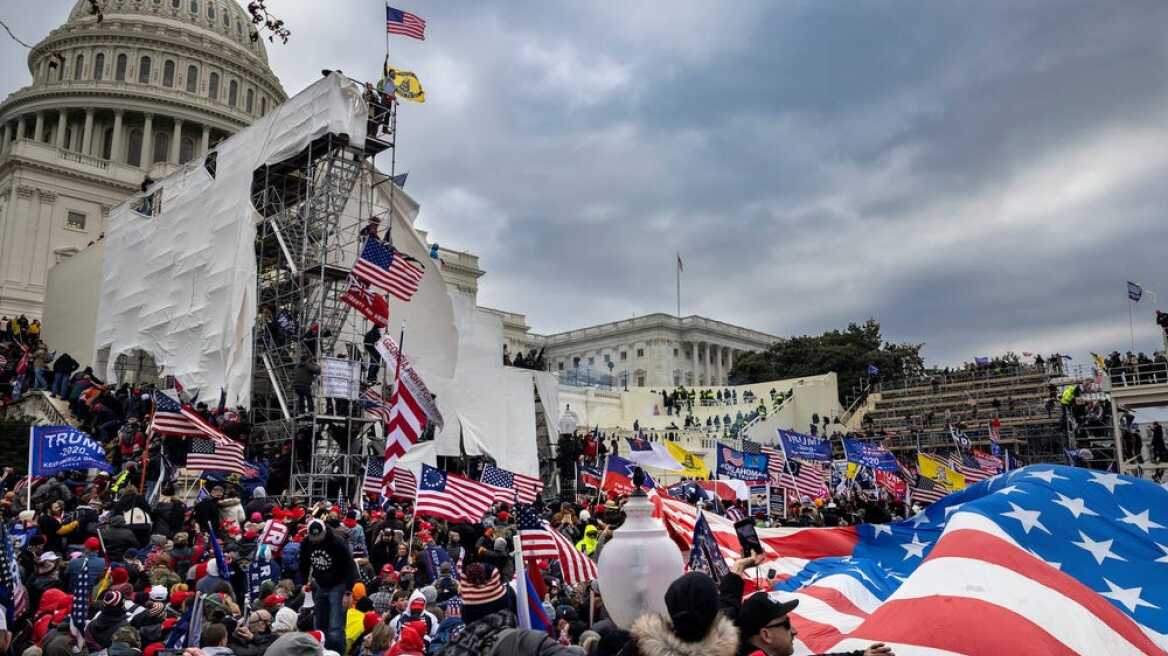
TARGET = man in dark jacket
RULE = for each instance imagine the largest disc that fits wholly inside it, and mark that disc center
(207, 511)
(168, 513)
(326, 561)
(100, 630)
(118, 538)
(63, 367)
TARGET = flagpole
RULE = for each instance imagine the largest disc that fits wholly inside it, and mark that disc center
(1131, 325)
(30, 439)
(679, 285)
(523, 604)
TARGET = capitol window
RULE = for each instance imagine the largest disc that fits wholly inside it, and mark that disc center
(624, 355)
(168, 73)
(211, 11)
(232, 92)
(640, 353)
(186, 151)
(98, 66)
(192, 79)
(161, 146)
(78, 67)
(250, 102)
(75, 221)
(175, 3)
(213, 86)
(120, 69)
(144, 70)
(194, 6)
(591, 361)
(264, 106)
(134, 152)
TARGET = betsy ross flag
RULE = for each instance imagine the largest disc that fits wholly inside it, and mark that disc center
(1059, 560)
(404, 23)
(508, 485)
(384, 266)
(544, 540)
(452, 497)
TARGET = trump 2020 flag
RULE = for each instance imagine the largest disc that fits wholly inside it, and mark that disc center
(55, 449)
(618, 476)
(1134, 291)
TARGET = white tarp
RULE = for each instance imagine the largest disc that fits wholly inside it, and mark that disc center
(180, 285)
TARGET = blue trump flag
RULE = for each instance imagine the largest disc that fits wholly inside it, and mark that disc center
(868, 454)
(805, 447)
(733, 463)
(55, 449)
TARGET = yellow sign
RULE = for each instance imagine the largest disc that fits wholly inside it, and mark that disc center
(694, 466)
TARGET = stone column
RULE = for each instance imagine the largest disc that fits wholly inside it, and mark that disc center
(693, 357)
(87, 132)
(40, 252)
(206, 140)
(62, 125)
(38, 130)
(20, 127)
(175, 141)
(148, 142)
(116, 140)
(7, 135)
(729, 362)
(717, 354)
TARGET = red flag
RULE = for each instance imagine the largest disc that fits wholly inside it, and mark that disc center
(892, 483)
(372, 306)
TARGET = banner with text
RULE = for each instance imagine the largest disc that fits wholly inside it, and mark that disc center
(733, 463)
(868, 454)
(56, 449)
(805, 447)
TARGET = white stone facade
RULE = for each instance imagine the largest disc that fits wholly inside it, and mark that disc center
(155, 84)
(654, 350)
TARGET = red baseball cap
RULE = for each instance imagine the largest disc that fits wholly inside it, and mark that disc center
(93, 544)
(274, 600)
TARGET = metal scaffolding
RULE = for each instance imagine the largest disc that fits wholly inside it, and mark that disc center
(313, 208)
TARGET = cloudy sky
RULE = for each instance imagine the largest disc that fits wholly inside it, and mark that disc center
(977, 176)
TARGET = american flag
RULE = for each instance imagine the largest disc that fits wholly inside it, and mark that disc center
(79, 612)
(508, 484)
(376, 404)
(406, 421)
(216, 455)
(970, 467)
(807, 478)
(540, 541)
(172, 418)
(452, 497)
(535, 535)
(924, 489)
(405, 484)
(404, 23)
(1061, 560)
(384, 266)
(12, 591)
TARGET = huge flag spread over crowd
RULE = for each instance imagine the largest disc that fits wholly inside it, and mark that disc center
(1059, 559)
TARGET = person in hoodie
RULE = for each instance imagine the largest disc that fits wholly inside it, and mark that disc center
(415, 612)
(99, 631)
(325, 561)
(125, 642)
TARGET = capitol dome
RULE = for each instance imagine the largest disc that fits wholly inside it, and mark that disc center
(155, 84)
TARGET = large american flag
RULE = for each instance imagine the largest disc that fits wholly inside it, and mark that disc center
(216, 455)
(508, 484)
(805, 478)
(173, 418)
(1048, 559)
(452, 497)
(383, 266)
(404, 23)
(404, 484)
(969, 466)
(540, 541)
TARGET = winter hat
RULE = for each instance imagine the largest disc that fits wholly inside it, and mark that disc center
(430, 593)
(158, 593)
(358, 591)
(273, 600)
(285, 621)
(119, 575)
(256, 517)
(93, 544)
(296, 644)
(411, 637)
(692, 601)
(317, 636)
(111, 599)
(371, 620)
(482, 592)
(315, 528)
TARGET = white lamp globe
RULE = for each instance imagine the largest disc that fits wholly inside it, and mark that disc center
(638, 563)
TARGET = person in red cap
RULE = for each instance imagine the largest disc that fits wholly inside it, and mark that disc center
(95, 569)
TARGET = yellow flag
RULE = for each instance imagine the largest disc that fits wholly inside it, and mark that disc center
(694, 466)
(853, 469)
(408, 87)
(940, 472)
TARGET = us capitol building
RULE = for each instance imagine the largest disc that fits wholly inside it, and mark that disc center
(158, 83)
(155, 84)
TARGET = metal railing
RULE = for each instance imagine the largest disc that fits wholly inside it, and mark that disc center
(1153, 373)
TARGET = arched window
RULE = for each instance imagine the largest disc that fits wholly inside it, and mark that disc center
(192, 79)
(264, 106)
(98, 66)
(186, 150)
(78, 67)
(107, 143)
(168, 74)
(211, 10)
(120, 69)
(226, 19)
(194, 6)
(213, 86)
(144, 70)
(60, 70)
(134, 153)
(232, 92)
(249, 103)
(161, 146)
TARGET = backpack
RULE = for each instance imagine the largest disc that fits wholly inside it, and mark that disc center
(448, 629)
(478, 638)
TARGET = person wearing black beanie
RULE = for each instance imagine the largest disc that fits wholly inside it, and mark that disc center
(694, 626)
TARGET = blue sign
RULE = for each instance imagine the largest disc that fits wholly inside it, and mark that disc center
(868, 454)
(805, 447)
(56, 449)
(733, 463)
